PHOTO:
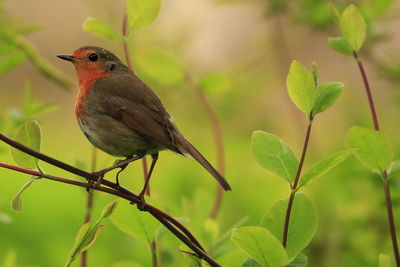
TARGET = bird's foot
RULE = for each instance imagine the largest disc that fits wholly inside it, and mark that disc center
(98, 178)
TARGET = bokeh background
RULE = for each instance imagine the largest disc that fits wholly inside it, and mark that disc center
(252, 44)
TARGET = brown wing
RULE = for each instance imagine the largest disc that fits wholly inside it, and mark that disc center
(127, 99)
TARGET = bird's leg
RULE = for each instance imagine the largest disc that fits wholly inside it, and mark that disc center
(146, 183)
(121, 169)
(99, 175)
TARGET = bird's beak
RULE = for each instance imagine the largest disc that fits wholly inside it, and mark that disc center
(67, 57)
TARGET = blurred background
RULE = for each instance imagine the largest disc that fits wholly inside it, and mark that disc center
(250, 44)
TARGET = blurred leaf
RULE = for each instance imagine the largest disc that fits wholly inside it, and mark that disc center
(302, 224)
(301, 87)
(191, 260)
(353, 27)
(374, 149)
(101, 28)
(34, 107)
(126, 264)
(375, 8)
(386, 261)
(336, 13)
(28, 135)
(249, 262)
(301, 260)
(324, 166)
(211, 228)
(27, 29)
(109, 209)
(10, 259)
(394, 167)
(132, 221)
(261, 245)
(6, 47)
(5, 218)
(16, 202)
(142, 13)
(274, 154)
(160, 67)
(326, 95)
(340, 45)
(11, 61)
(215, 83)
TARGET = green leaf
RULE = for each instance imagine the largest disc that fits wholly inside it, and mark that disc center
(215, 83)
(101, 28)
(249, 262)
(301, 87)
(301, 260)
(326, 95)
(274, 154)
(340, 45)
(324, 166)
(386, 261)
(16, 202)
(132, 221)
(29, 135)
(142, 13)
(109, 209)
(336, 13)
(160, 67)
(374, 149)
(11, 61)
(353, 27)
(126, 264)
(302, 224)
(261, 245)
(394, 167)
(314, 72)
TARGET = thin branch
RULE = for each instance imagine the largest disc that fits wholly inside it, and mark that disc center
(294, 186)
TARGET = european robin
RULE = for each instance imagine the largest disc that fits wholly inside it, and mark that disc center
(121, 115)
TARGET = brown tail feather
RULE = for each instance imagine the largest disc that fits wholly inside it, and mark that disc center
(191, 150)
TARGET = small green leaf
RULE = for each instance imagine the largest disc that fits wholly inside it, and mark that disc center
(29, 135)
(386, 261)
(274, 154)
(394, 167)
(302, 224)
(324, 166)
(142, 13)
(130, 220)
(249, 262)
(326, 95)
(109, 209)
(353, 27)
(301, 260)
(215, 83)
(261, 245)
(160, 67)
(16, 202)
(301, 87)
(374, 149)
(101, 28)
(340, 45)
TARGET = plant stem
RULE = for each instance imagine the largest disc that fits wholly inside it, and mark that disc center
(385, 177)
(89, 205)
(219, 144)
(294, 186)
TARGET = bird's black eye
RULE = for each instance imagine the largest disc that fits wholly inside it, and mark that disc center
(93, 57)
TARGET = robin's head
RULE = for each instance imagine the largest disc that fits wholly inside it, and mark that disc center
(92, 60)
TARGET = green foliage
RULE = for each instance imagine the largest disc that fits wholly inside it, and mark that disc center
(386, 261)
(159, 67)
(10, 259)
(11, 61)
(340, 45)
(215, 83)
(326, 95)
(301, 87)
(29, 135)
(394, 167)
(16, 202)
(274, 154)
(303, 223)
(101, 28)
(191, 261)
(301, 260)
(324, 166)
(132, 221)
(88, 233)
(142, 13)
(125, 264)
(249, 262)
(374, 149)
(261, 245)
(353, 27)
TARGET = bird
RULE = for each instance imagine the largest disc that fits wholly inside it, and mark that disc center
(122, 116)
